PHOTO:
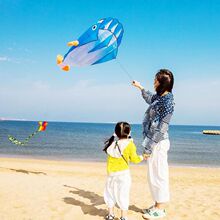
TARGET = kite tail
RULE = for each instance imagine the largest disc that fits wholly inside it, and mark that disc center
(30, 136)
(42, 127)
(14, 140)
(22, 143)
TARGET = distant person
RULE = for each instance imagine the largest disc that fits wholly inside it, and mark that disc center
(120, 152)
(156, 140)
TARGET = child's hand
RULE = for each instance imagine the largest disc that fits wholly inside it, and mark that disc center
(137, 84)
(146, 156)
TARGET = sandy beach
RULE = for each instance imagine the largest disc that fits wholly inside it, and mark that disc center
(43, 189)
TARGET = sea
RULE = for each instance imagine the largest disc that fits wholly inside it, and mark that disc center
(72, 141)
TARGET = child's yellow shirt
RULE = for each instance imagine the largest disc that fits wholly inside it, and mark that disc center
(115, 162)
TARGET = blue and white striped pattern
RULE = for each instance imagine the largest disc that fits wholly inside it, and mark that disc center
(97, 45)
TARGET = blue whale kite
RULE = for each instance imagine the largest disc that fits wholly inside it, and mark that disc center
(98, 44)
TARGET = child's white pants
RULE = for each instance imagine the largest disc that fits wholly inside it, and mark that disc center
(158, 172)
(117, 189)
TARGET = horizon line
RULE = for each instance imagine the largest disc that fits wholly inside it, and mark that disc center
(93, 122)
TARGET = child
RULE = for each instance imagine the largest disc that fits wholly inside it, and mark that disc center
(120, 152)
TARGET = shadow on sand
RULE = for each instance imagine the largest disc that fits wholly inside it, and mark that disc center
(28, 172)
(95, 200)
(89, 209)
(24, 171)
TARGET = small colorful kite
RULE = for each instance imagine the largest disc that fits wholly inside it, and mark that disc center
(97, 45)
(42, 127)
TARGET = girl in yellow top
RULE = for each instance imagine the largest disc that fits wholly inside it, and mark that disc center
(120, 152)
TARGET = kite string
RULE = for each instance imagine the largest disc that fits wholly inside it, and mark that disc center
(125, 70)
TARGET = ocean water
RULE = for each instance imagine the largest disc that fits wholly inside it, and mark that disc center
(84, 141)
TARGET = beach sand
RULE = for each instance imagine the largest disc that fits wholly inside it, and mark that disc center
(43, 189)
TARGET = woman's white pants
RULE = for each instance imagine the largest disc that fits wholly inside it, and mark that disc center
(117, 190)
(158, 172)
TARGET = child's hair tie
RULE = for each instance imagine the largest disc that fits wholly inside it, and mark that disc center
(114, 135)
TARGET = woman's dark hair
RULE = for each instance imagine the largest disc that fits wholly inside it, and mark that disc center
(122, 130)
(166, 80)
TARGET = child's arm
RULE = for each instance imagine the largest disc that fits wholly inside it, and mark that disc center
(134, 158)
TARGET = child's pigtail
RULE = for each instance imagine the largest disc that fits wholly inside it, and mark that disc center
(109, 142)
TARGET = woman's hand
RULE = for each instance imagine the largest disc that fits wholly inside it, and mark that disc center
(137, 84)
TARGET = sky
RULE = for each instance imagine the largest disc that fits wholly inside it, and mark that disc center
(180, 35)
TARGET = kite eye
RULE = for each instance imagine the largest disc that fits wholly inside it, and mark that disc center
(94, 27)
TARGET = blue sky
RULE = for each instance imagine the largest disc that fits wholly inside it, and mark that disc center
(182, 36)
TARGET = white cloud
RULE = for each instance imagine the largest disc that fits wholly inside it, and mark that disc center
(85, 101)
(16, 60)
(4, 59)
(196, 103)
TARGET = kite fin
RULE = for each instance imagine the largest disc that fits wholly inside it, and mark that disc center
(108, 57)
(66, 68)
(73, 43)
(59, 59)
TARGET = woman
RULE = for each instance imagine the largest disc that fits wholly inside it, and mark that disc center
(156, 140)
